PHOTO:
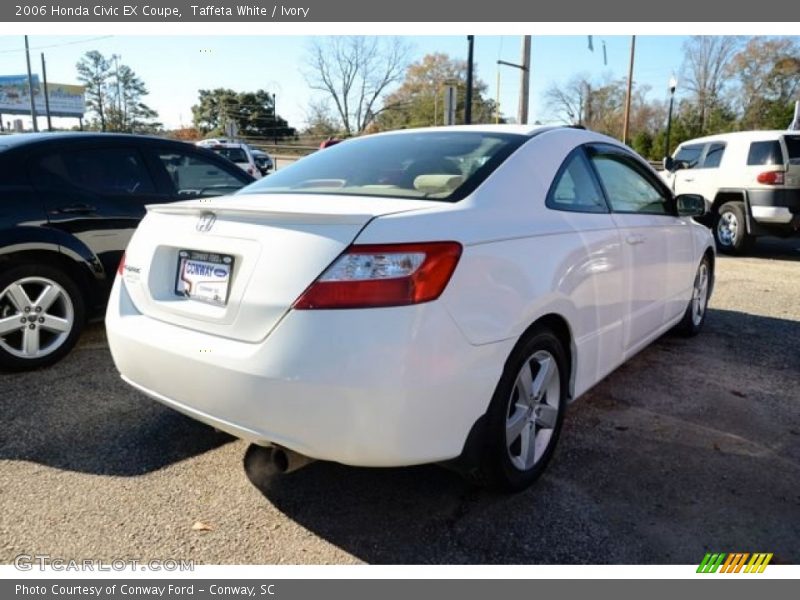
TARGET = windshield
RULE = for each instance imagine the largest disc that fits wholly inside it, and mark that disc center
(793, 148)
(438, 165)
(236, 155)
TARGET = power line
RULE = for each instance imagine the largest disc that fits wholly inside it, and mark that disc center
(94, 39)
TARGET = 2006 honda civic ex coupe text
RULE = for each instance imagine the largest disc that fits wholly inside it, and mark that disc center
(433, 295)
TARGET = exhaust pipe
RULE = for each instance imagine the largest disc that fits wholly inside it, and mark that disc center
(270, 461)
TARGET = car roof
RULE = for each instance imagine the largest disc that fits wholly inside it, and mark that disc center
(762, 135)
(482, 128)
(16, 140)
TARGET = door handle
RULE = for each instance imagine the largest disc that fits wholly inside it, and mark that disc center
(689, 179)
(77, 209)
(635, 238)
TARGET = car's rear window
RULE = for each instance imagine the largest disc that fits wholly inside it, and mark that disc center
(436, 165)
(793, 148)
(765, 153)
(236, 155)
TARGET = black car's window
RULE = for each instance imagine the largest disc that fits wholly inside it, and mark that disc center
(793, 147)
(628, 190)
(689, 155)
(713, 156)
(434, 165)
(117, 171)
(575, 188)
(195, 176)
(765, 153)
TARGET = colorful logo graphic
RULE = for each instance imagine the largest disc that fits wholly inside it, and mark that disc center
(735, 562)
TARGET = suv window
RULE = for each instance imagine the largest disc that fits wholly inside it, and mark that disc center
(689, 155)
(628, 190)
(194, 175)
(793, 148)
(116, 171)
(713, 156)
(765, 153)
(575, 188)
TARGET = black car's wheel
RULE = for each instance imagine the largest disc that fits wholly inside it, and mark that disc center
(695, 314)
(41, 316)
(730, 229)
(526, 413)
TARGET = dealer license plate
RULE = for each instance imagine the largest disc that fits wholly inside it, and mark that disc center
(204, 276)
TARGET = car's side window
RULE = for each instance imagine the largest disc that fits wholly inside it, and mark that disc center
(689, 155)
(195, 176)
(116, 171)
(627, 189)
(575, 188)
(713, 156)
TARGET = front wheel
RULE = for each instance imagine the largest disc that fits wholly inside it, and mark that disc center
(730, 229)
(695, 314)
(41, 316)
(526, 413)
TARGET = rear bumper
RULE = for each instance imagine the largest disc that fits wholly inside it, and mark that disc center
(779, 207)
(378, 387)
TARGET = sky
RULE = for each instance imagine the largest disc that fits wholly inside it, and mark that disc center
(174, 68)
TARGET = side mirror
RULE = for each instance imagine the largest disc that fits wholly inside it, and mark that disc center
(668, 164)
(691, 205)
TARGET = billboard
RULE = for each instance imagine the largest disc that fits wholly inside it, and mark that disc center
(65, 100)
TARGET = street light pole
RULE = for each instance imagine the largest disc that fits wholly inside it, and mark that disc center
(30, 86)
(468, 97)
(673, 83)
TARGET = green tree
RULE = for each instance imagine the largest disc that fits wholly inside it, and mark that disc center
(768, 71)
(94, 71)
(419, 101)
(126, 110)
(252, 112)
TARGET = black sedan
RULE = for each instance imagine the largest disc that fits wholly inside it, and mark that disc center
(69, 203)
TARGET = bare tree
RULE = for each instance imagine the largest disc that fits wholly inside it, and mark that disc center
(569, 102)
(320, 120)
(705, 70)
(355, 71)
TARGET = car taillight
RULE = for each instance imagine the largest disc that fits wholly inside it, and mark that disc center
(370, 276)
(121, 266)
(771, 177)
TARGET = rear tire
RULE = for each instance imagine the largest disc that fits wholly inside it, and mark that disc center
(730, 229)
(52, 308)
(525, 415)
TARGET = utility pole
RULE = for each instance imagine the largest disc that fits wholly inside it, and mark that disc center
(46, 95)
(468, 98)
(275, 117)
(525, 80)
(628, 95)
(30, 85)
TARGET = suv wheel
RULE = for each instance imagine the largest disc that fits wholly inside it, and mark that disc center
(730, 229)
(41, 316)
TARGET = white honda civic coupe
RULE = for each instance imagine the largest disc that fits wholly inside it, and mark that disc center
(433, 295)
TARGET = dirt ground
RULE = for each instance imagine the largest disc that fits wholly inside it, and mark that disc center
(692, 446)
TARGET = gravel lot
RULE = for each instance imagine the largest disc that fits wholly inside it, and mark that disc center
(692, 446)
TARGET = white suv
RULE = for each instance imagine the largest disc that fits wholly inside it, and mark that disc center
(237, 152)
(749, 179)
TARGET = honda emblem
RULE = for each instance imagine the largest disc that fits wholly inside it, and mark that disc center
(206, 222)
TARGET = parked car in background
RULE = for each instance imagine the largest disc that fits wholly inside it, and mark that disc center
(412, 297)
(238, 153)
(749, 179)
(264, 162)
(69, 203)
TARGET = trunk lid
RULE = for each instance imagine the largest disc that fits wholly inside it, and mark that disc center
(277, 246)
